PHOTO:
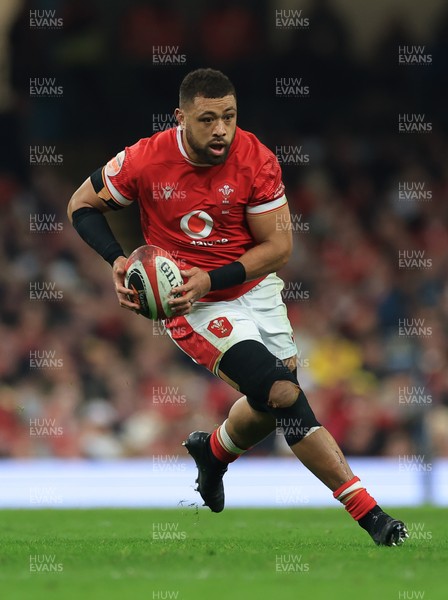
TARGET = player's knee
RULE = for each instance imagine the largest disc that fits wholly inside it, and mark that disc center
(283, 394)
(259, 374)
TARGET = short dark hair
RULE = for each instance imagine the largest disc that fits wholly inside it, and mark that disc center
(207, 83)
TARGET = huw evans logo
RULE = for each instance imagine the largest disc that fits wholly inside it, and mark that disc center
(45, 19)
(291, 87)
(167, 395)
(293, 222)
(413, 463)
(413, 395)
(290, 427)
(413, 190)
(413, 328)
(291, 19)
(418, 531)
(45, 428)
(158, 328)
(413, 123)
(413, 55)
(293, 292)
(45, 223)
(45, 87)
(167, 531)
(45, 156)
(45, 359)
(168, 55)
(45, 495)
(45, 563)
(291, 563)
(166, 463)
(163, 121)
(168, 190)
(292, 155)
(290, 495)
(302, 361)
(413, 259)
(45, 290)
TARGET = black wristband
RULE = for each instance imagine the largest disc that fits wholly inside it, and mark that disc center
(92, 226)
(227, 276)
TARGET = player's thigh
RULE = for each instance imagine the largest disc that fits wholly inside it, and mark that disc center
(266, 308)
(254, 369)
(210, 330)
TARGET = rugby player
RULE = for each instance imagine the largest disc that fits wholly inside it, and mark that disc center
(212, 195)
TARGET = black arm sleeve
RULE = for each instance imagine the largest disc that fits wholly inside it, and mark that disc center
(92, 226)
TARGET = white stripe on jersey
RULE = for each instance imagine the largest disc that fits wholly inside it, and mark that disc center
(180, 145)
(267, 207)
(114, 192)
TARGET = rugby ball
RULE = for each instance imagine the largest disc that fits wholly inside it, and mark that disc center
(151, 273)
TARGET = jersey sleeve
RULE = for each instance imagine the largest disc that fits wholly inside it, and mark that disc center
(268, 191)
(120, 177)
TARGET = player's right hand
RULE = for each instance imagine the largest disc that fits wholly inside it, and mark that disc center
(123, 293)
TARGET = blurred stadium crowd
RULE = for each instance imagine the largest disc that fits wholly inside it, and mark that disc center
(114, 384)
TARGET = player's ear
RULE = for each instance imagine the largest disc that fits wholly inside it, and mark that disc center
(180, 117)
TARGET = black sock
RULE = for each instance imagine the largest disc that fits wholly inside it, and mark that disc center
(369, 520)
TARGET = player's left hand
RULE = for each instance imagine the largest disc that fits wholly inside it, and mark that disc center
(198, 285)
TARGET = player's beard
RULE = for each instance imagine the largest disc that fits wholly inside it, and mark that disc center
(203, 153)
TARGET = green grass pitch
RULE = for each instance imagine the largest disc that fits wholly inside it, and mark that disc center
(192, 554)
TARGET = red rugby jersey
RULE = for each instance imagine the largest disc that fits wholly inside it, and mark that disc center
(197, 212)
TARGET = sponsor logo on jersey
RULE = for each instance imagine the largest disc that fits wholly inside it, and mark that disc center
(197, 224)
(279, 191)
(113, 167)
(220, 327)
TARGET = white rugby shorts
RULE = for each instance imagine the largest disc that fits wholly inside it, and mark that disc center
(213, 327)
